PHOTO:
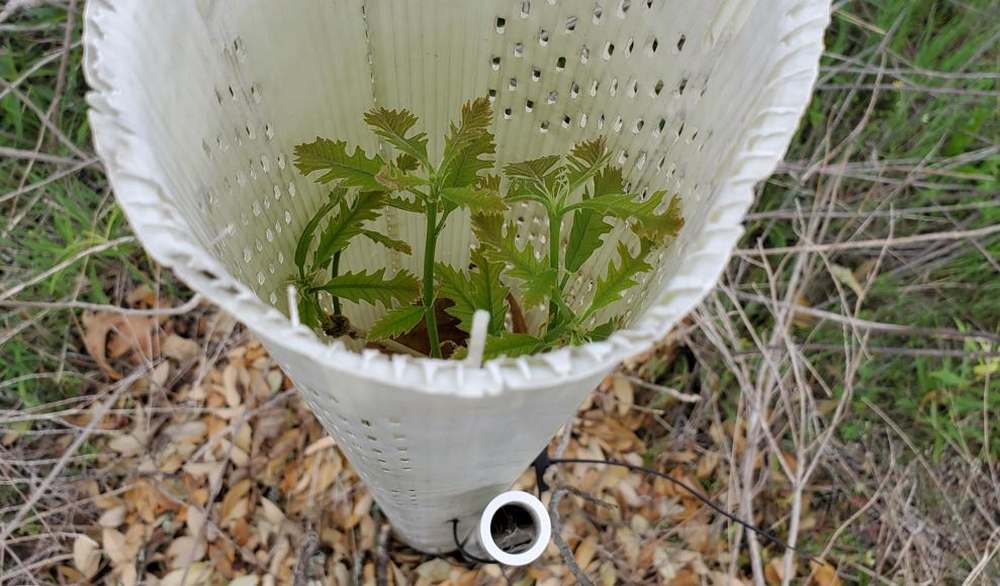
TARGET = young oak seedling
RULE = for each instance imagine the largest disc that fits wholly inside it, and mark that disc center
(582, 188)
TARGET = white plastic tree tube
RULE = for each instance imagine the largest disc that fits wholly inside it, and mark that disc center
(197, 106)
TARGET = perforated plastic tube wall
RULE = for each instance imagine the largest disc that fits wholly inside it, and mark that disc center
(197, 105)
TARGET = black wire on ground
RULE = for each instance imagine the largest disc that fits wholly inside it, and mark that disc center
(543, 462)
(460, 545)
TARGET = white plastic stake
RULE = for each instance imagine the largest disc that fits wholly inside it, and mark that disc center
(477, 338)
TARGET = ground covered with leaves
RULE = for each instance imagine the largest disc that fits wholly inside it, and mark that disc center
(839, 387)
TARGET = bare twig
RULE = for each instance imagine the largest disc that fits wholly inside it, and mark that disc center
(564, 550)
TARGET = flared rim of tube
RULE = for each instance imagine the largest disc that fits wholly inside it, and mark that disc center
(535, 514)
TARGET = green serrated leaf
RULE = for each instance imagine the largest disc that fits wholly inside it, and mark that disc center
(609, 181)
(351, 170)
(585, 161)
(395, 179)
(390, 243)
(407, 205)
(511, 345)
(483, 198)
(346, 225)
(457, 287)
(489, 292)
(373, 288)
(392, 126)
(619, 279)
(532, 170)
(585, 237)
(406, 163)
(469, 145)
(536, 277)
(306, 239)
(650, 224)
(397, 322)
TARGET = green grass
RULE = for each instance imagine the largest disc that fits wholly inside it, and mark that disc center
(939, 399)
(43, 227)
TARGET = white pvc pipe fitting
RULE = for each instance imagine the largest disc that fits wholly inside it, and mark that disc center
(535, 520)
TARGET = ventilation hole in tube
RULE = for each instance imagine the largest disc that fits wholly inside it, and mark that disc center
(682, 86)
(680, 130)
(584, 54)
(618, 124)
(218, 96)
(543, 127)
(265, 164)
(641, 162)
(536, 74)
(255, 93)
(518, 50)
(552, 97)
(529, 105)
(566, 120)
(583, 120)
(232, 93)
(623, 7)
(543, 37)
(609, 50)
(281, 161)
(560, 64)
(366, 423)
(613, 90)
(657, 89)
(693, 137)
(623, 158)
(680, 42)
(659, 164)
(507, 114)
(570, 24)
(207, 149)
(492, 93)
(260, 277)
(247, 255)
(653, 46)
(661, 125)
(512, 84)
(281, 257)
(501, 24)
(525, 8)
(291, 189)
(594, 85)
(268, 132)
(638, 126)
(271, 268)
(629, 47)
(574, 90)
(600, 122)
(634, 90)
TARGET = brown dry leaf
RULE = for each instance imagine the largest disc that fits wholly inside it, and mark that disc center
(824, 575)
(196, 575)
(126, 445)
(435, 570)
(114, 546)
(586, 551)
(143, 294)
(118, 334)
(624, 393)
(112, 518)
(774, 572)
(86, 556)
(234, 505)
(180, 349)
(185, 550)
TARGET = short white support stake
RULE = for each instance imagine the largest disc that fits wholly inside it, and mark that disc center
(293, 306)
(477, 338)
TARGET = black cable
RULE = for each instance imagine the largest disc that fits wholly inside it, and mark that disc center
(460, 545)
(546, 462)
